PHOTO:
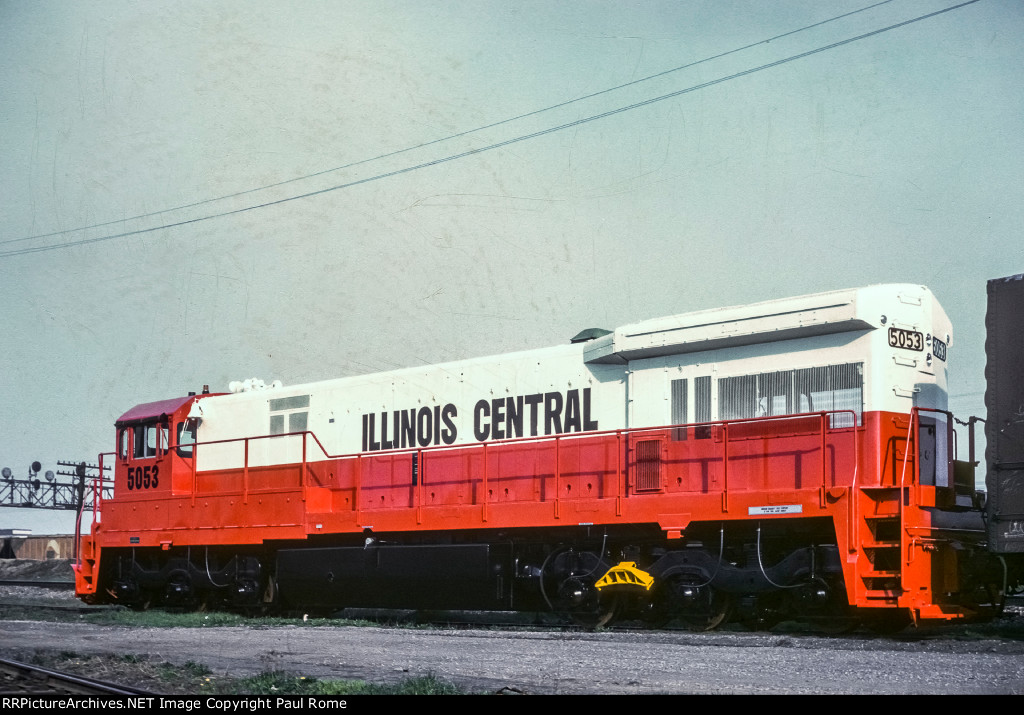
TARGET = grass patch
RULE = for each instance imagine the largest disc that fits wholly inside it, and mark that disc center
(278, 683)
(160, 618)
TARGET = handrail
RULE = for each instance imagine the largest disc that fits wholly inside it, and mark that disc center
(97, 504)
(915, 476)
(951, 443)
(622, 452)
(629, 431)
(901, 508)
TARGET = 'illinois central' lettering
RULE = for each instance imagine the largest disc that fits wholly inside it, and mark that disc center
(542, 413)
(527, 415)
(410, 428)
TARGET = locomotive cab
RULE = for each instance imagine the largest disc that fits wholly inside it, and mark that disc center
(144, 448)
(155, 449)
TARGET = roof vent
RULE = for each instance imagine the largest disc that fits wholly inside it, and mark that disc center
(589, 334)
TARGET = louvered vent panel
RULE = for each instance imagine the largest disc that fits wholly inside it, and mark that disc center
(648, 465)
(790, 392)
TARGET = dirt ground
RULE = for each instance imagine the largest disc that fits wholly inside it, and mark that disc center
(559, 662)
(950, 660)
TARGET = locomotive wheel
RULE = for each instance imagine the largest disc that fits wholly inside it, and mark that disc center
(686, 601)
(606, 612)
(987, 601)
(130, 594)
(179, 591)
(585, 605)
(567, 584)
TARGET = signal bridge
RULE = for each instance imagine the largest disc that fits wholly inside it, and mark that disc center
(65, 489)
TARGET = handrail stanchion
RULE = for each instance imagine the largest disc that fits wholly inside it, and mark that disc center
(418, 494)
(558, 474)
(245, 473)
(725, 466)
(951, 447)
(912, 444)
(303, 476)
(971, 421)
(620, 472)
(854, 493)
(97, 499)
(358, 474)
(485, 482)
(824, 462)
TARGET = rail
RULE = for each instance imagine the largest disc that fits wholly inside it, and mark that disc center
(33, 680)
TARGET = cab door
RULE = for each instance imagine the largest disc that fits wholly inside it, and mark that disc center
(182, 455)
(145, 454)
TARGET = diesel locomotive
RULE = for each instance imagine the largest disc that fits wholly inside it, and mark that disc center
(792, 458)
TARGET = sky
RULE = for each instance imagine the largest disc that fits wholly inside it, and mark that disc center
(898, 157)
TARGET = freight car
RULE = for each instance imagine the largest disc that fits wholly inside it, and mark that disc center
(793, 458)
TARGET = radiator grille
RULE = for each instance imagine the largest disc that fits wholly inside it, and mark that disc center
(816, 389)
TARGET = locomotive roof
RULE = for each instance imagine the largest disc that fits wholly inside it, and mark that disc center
(768, 321)
(151, 410)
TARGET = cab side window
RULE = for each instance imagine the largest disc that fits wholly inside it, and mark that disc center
(186, 438)
(145, 440)
(124, 440)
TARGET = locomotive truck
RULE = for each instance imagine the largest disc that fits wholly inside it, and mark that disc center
(791, 458)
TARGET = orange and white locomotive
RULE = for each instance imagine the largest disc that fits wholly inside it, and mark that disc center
(789, 458)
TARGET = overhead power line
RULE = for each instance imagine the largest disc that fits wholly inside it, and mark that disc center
(442, 139)
(470, 152)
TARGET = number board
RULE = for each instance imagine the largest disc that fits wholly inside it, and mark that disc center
(906, 339)
(939, 349)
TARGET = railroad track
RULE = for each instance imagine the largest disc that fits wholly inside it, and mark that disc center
(6, 605)
(62, 585)
(23, 679)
